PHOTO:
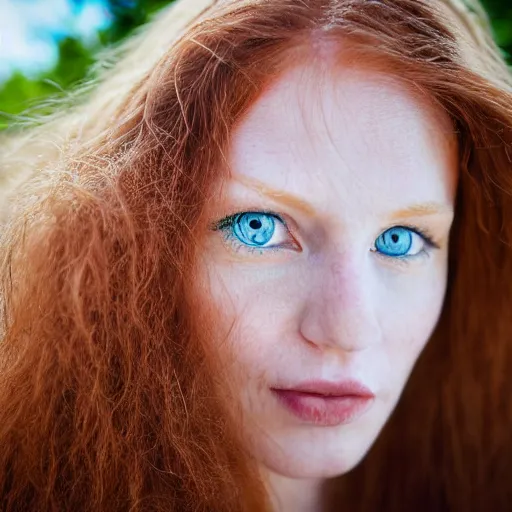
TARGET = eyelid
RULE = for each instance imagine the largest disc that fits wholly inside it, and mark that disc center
(282, 217)
(228, 219)
(422, 232)
(403, 261)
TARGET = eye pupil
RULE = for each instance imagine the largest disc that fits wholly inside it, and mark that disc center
(254, 228)
(395, 242)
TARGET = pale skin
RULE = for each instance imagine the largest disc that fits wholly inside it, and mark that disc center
(335, 156)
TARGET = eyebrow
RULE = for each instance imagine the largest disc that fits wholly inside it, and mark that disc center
(421, 210)
(279, 196)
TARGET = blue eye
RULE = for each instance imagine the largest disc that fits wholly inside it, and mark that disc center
(400, 242)
(254, 229)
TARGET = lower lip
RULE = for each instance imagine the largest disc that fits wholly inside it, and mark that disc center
(324, 410)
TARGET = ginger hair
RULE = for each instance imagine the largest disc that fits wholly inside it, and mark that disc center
(112, 395)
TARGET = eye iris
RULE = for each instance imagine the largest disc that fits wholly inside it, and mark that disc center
(254, 229)
(394, 242)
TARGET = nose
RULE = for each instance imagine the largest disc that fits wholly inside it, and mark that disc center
(340, 310)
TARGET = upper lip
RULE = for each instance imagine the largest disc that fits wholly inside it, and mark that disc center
(328, 388)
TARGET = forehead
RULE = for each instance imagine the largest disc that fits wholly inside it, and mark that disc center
(347, 132)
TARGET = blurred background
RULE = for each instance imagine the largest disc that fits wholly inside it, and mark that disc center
(47, 46)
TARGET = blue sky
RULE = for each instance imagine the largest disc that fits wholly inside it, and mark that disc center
(29, 30)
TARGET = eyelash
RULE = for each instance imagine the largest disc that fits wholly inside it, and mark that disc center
(227, 222)
(428, 239)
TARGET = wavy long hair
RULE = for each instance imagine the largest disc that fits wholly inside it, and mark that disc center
(112, 396)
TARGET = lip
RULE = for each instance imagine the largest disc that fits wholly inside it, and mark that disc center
(326, 403)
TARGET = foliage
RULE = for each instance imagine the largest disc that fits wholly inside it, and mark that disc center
(21, 93)
(500, 12)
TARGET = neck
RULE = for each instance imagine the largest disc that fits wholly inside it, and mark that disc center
(294, 494)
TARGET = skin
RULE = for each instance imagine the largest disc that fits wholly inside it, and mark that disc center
(341, 154)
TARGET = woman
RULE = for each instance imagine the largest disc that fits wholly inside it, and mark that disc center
(220, 269)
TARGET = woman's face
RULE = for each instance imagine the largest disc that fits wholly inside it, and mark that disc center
(327, 257)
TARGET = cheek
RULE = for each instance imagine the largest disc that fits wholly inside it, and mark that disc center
(408, 316)
(251, 321)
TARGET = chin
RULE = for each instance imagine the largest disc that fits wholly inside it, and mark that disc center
(311, 460)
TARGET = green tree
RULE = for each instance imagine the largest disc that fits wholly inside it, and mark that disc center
(500, 12)
(127, 15)
(21, 94)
